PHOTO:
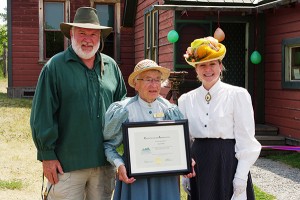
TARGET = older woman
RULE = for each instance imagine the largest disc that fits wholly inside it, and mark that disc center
(147, 105)
(221, 122)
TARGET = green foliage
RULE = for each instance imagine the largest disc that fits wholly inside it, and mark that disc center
(11, 185)
(3, 16)
(3, 29)
(3, 39)
(1, 71)
(3, 36)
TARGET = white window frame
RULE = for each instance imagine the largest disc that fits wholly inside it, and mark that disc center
(289, 67)
(151, 35)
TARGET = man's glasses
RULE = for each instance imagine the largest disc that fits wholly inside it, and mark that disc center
(150, 80)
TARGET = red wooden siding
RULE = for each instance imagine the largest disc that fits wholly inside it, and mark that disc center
(25, 49)
(165, 53)
(127, 55)
(282, 106)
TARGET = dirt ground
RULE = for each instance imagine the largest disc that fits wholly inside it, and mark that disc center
(18, 162)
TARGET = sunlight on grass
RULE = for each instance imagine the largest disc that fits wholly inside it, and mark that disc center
(260, 195)
(291, 159)
(11, 185)
(15, 115)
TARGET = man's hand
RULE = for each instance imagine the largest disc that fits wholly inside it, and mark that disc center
(50, 169)
(123, 175)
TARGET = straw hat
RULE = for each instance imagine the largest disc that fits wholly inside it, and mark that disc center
(85, 17)
(146, 65)
(204, 50)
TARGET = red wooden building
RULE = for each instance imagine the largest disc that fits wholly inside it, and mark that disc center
(271, 27)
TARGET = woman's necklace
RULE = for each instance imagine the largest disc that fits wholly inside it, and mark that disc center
(207, 97)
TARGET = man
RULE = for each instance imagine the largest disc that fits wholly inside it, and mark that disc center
(74, 90)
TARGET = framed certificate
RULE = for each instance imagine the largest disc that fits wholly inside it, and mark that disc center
(156, 148)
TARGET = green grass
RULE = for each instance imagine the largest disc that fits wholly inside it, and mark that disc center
(14, 120)
(291, 159)
(261, 195)
(11, 185)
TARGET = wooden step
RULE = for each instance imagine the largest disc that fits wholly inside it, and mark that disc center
(265, 130)
(270, 140)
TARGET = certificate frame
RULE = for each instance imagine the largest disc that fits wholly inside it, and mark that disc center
(156, 148)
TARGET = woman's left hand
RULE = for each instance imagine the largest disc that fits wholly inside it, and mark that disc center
(123, 175)
(193, 173)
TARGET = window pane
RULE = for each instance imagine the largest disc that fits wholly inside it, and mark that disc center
(106, 14)
(109, 45)
(148, 28)
(54, 15)
(295, 63)
(155, 28)
(54, 43)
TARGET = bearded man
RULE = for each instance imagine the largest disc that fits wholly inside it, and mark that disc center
(74, 90)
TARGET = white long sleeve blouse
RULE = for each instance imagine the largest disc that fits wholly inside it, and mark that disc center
(228, 115)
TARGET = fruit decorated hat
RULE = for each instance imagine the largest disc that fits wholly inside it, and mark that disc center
(204, 50)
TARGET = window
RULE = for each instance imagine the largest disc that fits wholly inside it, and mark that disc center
(151, 35)
(53, 37)
(154, 54)
(291, 63)
(53, 12)
(106, 15)
(147, 36)
(51, 40)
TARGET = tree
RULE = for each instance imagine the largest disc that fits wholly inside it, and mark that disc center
(3, 30)
(3, 41)
(3, 16)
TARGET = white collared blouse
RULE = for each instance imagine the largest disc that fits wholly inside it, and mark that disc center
(228, 115)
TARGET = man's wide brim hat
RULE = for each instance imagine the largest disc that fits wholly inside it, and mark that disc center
(204, 50)
(146, 65)
(85, 17)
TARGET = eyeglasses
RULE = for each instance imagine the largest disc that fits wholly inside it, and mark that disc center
(150, 80)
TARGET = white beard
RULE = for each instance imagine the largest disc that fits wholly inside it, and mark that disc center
(83, 54)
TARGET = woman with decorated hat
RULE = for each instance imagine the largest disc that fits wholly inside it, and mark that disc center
(221, 124)
(147, 105)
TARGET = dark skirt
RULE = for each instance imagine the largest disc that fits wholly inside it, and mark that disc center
(215, 169)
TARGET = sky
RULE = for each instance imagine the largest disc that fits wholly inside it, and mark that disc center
(2, 6)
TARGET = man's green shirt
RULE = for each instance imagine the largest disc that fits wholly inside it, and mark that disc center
(68, 108)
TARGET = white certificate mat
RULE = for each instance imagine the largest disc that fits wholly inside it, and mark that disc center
(156, 148)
